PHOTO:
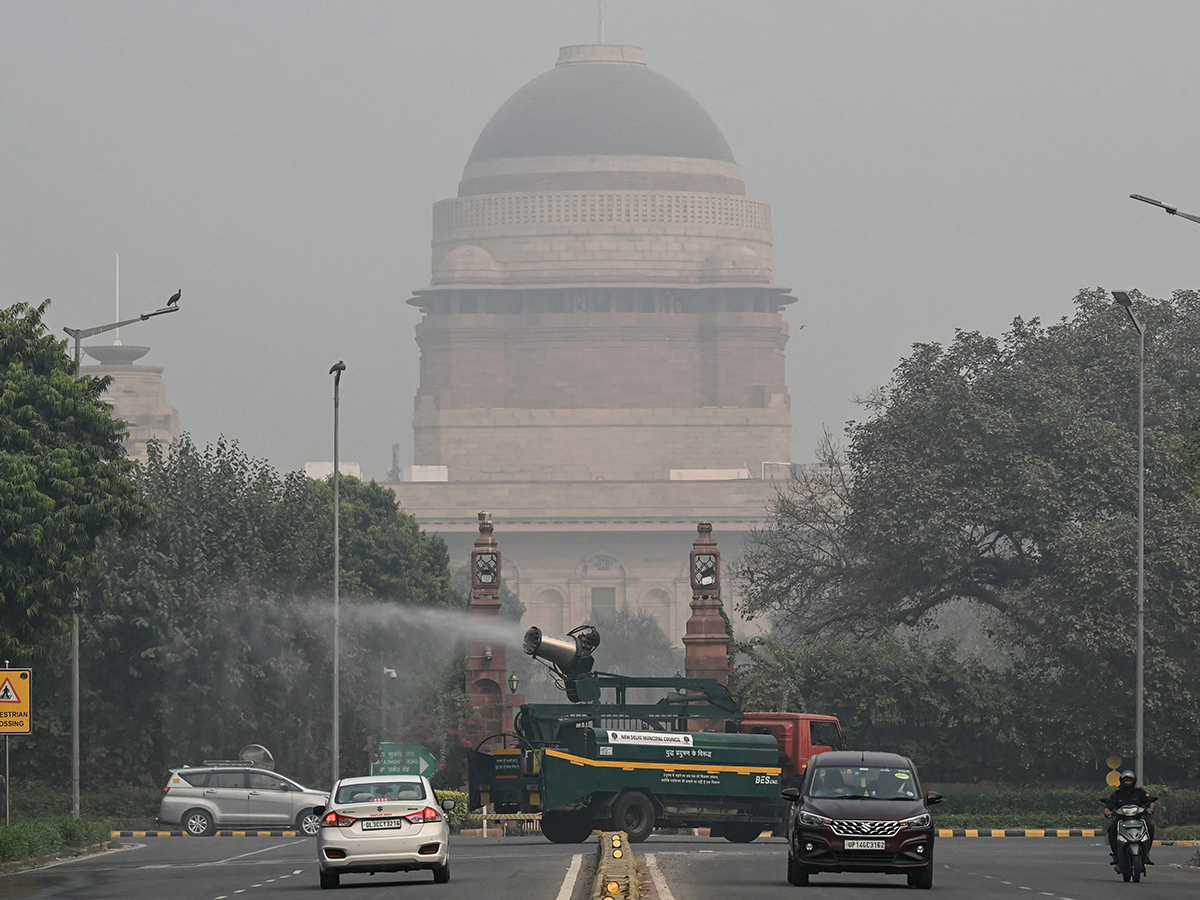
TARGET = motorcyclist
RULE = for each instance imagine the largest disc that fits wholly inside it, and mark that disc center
(1128, 792)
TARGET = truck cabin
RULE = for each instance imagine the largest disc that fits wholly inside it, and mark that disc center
(800, 736)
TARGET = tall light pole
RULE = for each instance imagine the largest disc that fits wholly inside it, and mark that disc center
(1123, 298)
(78, 334)
(1171, 209)
(336, 371)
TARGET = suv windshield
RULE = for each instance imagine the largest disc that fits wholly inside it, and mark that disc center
(860, 782)
(377, 791)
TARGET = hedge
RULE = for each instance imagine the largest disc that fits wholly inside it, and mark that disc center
(41, 837)
(457, 817)
(1032, 806)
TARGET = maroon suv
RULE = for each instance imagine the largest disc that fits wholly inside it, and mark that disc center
(860, 812)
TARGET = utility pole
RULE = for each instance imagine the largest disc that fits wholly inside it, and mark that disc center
(78, 334)
(336, 371)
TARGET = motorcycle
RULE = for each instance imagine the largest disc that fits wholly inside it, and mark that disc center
(1133, 840)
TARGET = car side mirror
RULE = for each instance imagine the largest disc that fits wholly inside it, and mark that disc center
(792, 795)
(318, 811)
(448, 804)
(932, 798)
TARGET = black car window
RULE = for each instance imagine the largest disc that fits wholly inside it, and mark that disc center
(234, 779)
(263, 782)
(880, 782)
(195, 779)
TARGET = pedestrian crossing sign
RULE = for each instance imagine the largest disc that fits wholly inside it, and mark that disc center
(15, 698)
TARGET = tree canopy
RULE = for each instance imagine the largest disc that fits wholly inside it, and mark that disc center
(1002, 473)
(211, 628)
(65, 481)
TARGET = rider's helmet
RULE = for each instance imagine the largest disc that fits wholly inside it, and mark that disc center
(1128, 778)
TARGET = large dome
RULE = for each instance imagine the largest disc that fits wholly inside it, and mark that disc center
(601, 100)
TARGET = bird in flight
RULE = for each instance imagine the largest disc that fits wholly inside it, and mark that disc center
(174, 297)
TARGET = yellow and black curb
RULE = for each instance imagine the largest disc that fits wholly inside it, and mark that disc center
(616, 869)
(1043, 833)
(150, 834)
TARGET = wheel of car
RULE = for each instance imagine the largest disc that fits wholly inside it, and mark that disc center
(633, 813)
(922, 877)
(198, 822)
(441, 874)
(330, 879)
(566, 827)
(308, 822)
(742, 832)
(796, 873)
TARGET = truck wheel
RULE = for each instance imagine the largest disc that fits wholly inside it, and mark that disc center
(742, 832)
(633, 813)
(566, 827)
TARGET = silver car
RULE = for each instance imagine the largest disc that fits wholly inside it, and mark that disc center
(205, 798)
(388, 823)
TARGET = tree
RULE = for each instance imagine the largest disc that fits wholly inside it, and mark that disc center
(65, 482)
(1001, 472)
(212, 627)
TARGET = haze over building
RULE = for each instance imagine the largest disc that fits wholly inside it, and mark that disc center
(602, 345)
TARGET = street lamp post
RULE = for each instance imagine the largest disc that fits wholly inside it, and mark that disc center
(336, 371)
(1123, 298)
(78, 334)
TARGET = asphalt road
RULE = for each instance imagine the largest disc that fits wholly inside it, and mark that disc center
(978, 868)
(278, 868)
(534, 869)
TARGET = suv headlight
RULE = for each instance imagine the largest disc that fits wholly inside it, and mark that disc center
(807, 818)
(921, 821)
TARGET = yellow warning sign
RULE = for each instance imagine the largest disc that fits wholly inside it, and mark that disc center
(15, 696)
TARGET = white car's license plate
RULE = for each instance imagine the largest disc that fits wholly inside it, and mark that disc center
(372, 824)
(865, 845)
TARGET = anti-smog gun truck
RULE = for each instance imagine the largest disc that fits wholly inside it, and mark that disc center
(631, 766)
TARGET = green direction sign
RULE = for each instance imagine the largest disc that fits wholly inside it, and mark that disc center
(403, 759)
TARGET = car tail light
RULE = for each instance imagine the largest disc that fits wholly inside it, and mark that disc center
(428, 814)
(334, 819)
(166, 789)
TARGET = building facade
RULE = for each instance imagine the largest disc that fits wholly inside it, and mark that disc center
(137, 396)
(602, 345)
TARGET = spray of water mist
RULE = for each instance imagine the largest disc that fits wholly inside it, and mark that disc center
(449, 624)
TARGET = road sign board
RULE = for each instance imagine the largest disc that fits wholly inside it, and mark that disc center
(15, 701)
(403, 759)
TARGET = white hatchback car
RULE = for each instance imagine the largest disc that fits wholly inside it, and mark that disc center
(389, 823)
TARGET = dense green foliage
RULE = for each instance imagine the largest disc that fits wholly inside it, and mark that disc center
(457, 817)
(212, 627)
(64, 483)
(1002, 473)
(35, 838)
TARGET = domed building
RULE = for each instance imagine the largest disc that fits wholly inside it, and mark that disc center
(602, 349)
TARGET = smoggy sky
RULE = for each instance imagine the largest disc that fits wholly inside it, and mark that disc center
(931, 166)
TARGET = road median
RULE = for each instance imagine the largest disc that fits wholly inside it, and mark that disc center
(616, 869)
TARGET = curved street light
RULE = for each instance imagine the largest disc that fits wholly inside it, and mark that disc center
(1171, 208)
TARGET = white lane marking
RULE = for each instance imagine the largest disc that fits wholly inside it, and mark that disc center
(285, 876)
(221, 862)
(568, 885)
(269, 880)
(297, 872)
(1045, 893)
(656, 875)
(1006, 882)
(240, 891)
(159, 866)
(222, 897)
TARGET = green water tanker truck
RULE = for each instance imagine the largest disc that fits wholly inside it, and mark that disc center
(692, 759)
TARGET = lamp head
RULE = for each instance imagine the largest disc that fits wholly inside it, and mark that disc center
(338, 367)
(1123, 298)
